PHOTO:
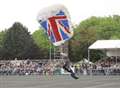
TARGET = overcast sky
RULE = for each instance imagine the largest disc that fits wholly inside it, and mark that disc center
(26, 11)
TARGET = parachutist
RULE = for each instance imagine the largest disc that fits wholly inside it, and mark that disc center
(69, 68)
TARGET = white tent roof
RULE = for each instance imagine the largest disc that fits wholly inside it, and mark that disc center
(84, 61)
(105, 44)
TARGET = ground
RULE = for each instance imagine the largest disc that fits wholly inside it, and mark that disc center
(59, 82)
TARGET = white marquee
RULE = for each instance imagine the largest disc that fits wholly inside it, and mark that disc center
(112, 47)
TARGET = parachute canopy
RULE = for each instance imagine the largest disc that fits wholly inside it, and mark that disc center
(55, 20)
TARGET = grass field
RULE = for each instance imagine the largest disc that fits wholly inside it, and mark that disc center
(59, 82)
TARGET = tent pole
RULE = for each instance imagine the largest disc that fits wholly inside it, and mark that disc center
(88, 55)
(116, 59)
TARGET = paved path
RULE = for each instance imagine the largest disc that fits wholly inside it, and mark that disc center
(59, 82)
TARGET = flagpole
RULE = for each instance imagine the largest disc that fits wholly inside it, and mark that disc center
(50, 52)
(50, 48)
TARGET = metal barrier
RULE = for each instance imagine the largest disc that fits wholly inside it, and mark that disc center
(57, 72)
(104, 71)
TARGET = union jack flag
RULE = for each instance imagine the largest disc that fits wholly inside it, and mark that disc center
(57, 28)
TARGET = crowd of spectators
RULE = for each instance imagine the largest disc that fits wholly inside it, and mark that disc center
(107, 66)
(28, 67)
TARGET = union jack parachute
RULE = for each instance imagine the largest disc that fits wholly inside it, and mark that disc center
(55, 20)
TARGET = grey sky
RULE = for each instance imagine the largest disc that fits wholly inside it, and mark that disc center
(26, 11)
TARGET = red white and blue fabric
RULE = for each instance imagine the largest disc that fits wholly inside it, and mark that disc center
(57, 28)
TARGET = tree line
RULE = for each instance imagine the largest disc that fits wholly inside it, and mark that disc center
(17, 42)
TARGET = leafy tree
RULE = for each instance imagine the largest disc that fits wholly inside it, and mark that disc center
(90, 30)
(43, 42)
(41, 39)
(19, 43)
(80, 42)
(2, 34)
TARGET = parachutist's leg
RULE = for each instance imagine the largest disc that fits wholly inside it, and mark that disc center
(67, 69)
(74, 76)
(72, 73)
